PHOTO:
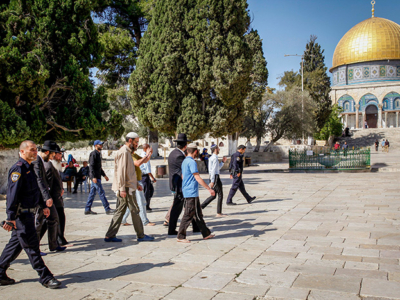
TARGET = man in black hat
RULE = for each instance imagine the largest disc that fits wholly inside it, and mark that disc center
(47, 152)
(236, 169)
(175, 160)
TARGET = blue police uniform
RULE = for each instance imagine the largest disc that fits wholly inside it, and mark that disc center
(236, 168)
(23, 196)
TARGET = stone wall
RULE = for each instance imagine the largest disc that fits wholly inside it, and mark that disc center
(7, 159)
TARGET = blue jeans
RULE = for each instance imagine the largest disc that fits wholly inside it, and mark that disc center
(141, 201)
(99, 188)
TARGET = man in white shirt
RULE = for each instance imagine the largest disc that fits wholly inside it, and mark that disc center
(147, 178)
(214, 167)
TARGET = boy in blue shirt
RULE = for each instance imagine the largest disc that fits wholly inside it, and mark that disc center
(190, 189)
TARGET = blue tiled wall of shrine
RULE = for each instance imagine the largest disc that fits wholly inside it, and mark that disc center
(366, 72)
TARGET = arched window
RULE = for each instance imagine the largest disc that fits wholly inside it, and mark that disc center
(397, 103)
(347, 103)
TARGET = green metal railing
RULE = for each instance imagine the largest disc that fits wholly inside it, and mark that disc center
(330, 159)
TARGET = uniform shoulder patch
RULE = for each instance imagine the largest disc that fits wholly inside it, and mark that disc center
(15, 176)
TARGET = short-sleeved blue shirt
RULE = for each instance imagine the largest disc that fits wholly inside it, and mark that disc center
(190, 186)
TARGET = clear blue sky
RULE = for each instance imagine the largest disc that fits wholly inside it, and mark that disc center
(286, 25)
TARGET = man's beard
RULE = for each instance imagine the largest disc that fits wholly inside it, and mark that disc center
(46, 157)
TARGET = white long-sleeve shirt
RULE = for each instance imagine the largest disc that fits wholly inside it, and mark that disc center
(214, 166)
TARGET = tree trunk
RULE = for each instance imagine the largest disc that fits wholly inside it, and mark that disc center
(153, 142)
(232, 143)
(171, 142)
(257, 148)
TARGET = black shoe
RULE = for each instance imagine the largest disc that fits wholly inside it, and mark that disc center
(89, 212)
(148, 209)
(251, 199)
(173, 233)
(59, 249)
(110, 211)
(52, 284)
(5, 280)
(74, 192)
(230, 203)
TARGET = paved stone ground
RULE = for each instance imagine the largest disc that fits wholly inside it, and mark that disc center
(307, 236)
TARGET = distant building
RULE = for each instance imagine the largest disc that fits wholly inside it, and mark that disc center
(366, 74)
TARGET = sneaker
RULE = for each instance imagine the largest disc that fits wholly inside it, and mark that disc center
(52, 284)
(5, 280)
(146, 238)
(110, 211)
(90, 212)
(113, 240)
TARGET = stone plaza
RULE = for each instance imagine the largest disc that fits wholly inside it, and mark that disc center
(306, 236)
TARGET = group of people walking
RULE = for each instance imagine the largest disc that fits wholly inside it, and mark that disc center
(35, 196)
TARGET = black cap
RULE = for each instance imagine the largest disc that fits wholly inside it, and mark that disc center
(241, 147)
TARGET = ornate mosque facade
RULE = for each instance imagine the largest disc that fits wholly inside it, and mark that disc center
(366, 74)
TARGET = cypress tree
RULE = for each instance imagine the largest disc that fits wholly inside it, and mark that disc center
(317, 82)
(200, 68)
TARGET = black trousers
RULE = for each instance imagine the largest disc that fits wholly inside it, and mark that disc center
(51, 224)
(237, 184)
(61, 226)
(193, 212)
(25, 237)
(78, 181)
(176, 210)
(218, 191)
(147, 187)
(206, 163)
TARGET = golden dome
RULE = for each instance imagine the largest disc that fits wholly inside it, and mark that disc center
(371, 40)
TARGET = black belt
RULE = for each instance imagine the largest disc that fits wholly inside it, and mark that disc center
(27, 210)
(145, 175)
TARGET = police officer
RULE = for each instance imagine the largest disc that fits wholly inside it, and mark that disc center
(23, 196)
(236, 169)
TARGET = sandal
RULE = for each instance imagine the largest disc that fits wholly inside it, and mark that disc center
(126, 224)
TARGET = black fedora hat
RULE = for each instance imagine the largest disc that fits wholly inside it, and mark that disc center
(50, 146)
(182, 138)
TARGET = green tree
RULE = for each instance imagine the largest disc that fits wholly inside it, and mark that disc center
(317, 81)
(47, 48)
(200, 68)
(255, 123)
(289, 80)
(13, 129)
(333, 126)
(290, 120)
(121, 27)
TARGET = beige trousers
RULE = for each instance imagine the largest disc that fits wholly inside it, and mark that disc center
(122, 204)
